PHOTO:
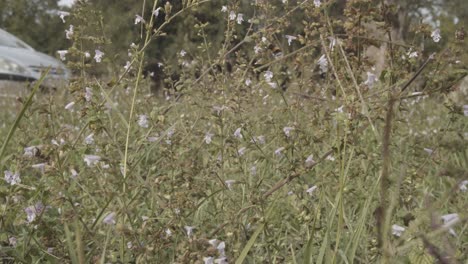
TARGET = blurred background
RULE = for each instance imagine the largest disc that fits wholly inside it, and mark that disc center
(37, 23)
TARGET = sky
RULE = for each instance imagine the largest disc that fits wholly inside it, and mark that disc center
(66, 2)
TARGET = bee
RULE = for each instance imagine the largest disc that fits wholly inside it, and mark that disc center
(275, 50)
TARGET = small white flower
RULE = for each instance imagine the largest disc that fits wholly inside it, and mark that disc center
(278, 152)
(221, 248)
(189, 230)
(248, 82)
(435, 35)
(462, 186)
(129, 244)
(371, 79)
(183, 53)
(39, 166)
(229, 183)
(91, 160)
(449, 220)
(143, 121)
(397, 230)
(208, 260)
(290, 39)
(413, 54)
(98, 55)
(330, 158)
(428, 151)
(332, 43)
(70, 106)
(310, 161)
(232, 15)
(62, 15)
(311, 189)
(240, 18)
(109, 219)
(268, 76)
(12, 178)
(273, 85)
(12, 241)
(127, 65)
(87, 54)
(62, 54)
(30, 152)
(208, 137)
(224, 9)
(88, 94)
(264, 40)
(69, 32)
(238, 133)
(168, 232)
(287, 131)
(214, 242)
(222, 260)
(253, 170)
(33, 211)
(241, 151)
(152, 139)
(259, 140)
(339, 109)
(317, 3)
(156, 12)
(139, 19)
(323, 64)
(89, 140)
(74, 173)
(257, 49)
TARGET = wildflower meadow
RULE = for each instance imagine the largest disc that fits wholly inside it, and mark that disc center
(270, 132)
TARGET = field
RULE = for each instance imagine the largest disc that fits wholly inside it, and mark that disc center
(334, 165)
(276, 176)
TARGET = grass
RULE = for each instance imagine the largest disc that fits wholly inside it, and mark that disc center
(178, 180)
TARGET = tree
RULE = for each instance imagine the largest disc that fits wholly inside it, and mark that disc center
(34, 21)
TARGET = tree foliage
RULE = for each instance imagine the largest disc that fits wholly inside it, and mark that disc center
(34, 21)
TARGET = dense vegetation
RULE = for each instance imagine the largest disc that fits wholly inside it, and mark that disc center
(239, 132)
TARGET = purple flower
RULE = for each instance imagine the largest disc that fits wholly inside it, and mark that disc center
(109, 219)
(11, 178)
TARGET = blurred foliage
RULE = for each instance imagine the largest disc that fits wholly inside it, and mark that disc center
(35, 22)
